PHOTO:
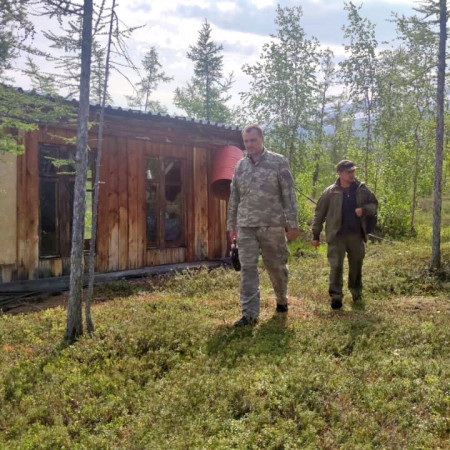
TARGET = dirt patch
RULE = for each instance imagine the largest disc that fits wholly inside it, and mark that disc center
(40, 302)
(37, 302)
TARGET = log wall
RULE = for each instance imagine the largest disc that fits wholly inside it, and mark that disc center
(8, 216)
(122, 210)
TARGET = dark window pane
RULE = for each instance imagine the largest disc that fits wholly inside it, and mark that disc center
(172, 169)
(66, 163)
(46, 157)
(151, 195)
(152, 168)
(173, 213)
(49, 236)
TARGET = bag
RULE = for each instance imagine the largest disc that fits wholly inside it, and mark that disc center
(371, 223)
(234, 254)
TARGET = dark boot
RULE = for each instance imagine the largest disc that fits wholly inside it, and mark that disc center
(244, 321)
(336, 303)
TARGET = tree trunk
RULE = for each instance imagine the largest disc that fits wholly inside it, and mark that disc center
(74, 315)
(89, 322)
(435, 262)
(368, 136)
(315, 177)
(412, 228)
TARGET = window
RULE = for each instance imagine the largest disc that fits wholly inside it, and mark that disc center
(165, 211)
(56, 192)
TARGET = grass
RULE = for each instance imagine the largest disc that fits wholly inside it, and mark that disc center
(165, 368)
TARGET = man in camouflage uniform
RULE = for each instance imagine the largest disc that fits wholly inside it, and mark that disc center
(344, 207)
(262, 213)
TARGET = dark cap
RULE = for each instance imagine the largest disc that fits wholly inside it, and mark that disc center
(345, 166)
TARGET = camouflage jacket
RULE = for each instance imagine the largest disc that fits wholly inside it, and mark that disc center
(329, 210)
(262, 194)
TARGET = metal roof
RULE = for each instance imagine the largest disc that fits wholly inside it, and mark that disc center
(138, 114)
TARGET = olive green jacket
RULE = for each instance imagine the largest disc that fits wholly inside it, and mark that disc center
(329, 210)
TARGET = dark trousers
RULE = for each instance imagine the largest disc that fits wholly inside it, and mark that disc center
(354, 246)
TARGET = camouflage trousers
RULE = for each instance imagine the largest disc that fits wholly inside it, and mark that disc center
(272, 242)
(354, 246)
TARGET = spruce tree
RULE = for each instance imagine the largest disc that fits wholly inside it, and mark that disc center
(153, 75)
(205, 96)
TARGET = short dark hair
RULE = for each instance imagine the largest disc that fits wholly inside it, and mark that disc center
(251, 127)
(345, 165)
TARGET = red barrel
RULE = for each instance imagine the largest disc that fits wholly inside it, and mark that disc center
(223, 168)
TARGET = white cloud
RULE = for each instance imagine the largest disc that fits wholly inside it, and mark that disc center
(173, 25)
(226, 6)
(260, 4)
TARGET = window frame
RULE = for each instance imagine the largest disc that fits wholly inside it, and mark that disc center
(63, 208)
(161, 204)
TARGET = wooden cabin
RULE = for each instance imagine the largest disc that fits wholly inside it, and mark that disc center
(156, 205)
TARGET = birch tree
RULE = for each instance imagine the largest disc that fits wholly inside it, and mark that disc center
(328, 74)
(406, 110)
(359, 72)
(283, 86)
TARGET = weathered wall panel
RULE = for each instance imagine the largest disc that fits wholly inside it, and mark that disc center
(103, 207)
(200, 161)
(121, 228)
(123, 203)
(141, 207)
(28, 209)
(8, 209)
(166, 256)
(190, 216)
(132, 189)
(113, 206)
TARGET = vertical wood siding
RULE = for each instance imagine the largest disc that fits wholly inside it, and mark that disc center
(27, 209)
(123, 203)
(121, 228)
(200, 203)
(8, 210)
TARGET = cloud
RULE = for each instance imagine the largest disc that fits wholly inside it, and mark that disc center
(241, 26)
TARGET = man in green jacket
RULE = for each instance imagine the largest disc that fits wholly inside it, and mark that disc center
(344, 207)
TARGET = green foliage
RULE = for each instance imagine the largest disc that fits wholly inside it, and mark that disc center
(283, 86)
(42, 83)
(359, 73)
(119, 288)
(165, 368)
(205, 97)
(191, 99)
(20, 112)
(197, 283)
(15, 29)
(153, 75)
(394, 208)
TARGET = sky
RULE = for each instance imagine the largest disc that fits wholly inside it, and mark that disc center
(240, 26)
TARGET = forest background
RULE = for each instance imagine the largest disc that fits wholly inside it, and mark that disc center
(368, 100)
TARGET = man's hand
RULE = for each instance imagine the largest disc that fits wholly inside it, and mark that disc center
(316, 243)
(233, 235)
(292, 234)
(359, 212)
